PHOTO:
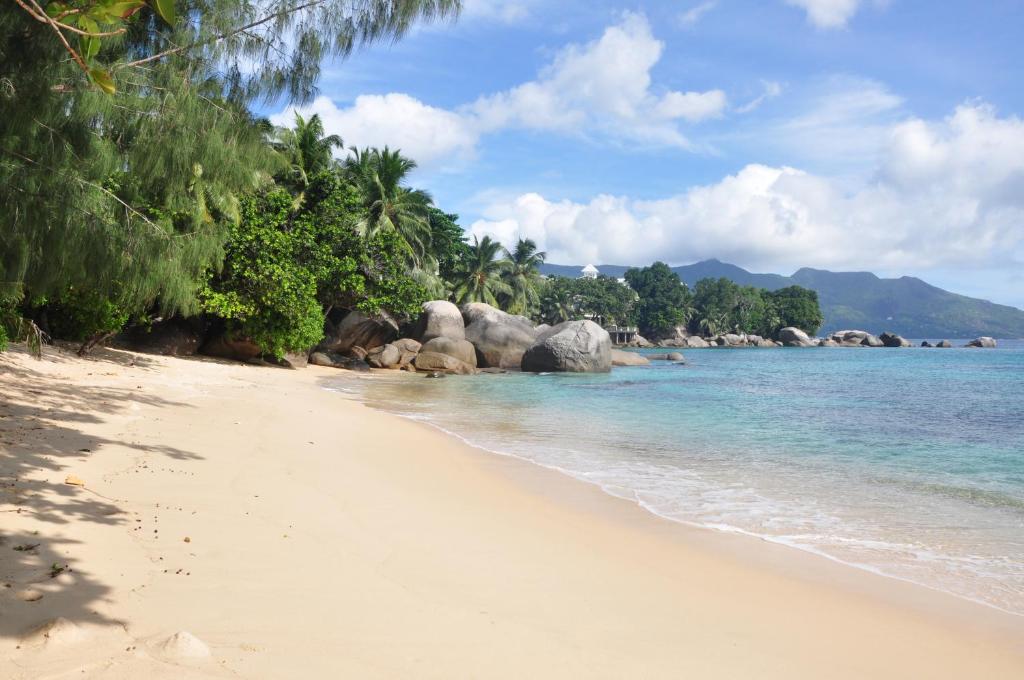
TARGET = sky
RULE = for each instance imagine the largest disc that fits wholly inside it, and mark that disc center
(878, 135)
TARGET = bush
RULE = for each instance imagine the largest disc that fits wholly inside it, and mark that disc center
(264, 293)
(82, 315)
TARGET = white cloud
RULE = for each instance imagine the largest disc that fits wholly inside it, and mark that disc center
(691, 16)
(603, 87)
(503, 11)
(945, 194)
(428, 134)
(827, 13)
(770, 90)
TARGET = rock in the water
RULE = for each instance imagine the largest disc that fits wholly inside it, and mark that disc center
(224, 347)
(696, 342)
(182, 646)
(925, 343)
(357, 329)
(984, 341)
(623, 358)
(641, 341)
(385, 356)
(572, 346)
(440, 319)
(794, 337)
(462, 350)
(500, 339)
(945, 344)
(732, 340)
(675, 356)
(436, 374)
(828, 342)
(849, 338)
(432, 361)
(872, 341)
(893, 340)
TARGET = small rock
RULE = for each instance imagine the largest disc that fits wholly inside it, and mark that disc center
(188, 540)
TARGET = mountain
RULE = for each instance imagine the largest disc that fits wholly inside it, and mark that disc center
(907, 305)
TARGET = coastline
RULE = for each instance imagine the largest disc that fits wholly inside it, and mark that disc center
(331, 538)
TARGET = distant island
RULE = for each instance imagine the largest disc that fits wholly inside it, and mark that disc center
(907, 305)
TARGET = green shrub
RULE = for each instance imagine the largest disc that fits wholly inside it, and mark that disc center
(82, 315)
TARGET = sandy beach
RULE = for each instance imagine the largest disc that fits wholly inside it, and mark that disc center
(186, 518)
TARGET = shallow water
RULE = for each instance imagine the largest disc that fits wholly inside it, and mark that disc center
(906, 462)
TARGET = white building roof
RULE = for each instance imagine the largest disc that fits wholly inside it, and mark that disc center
(590, 269)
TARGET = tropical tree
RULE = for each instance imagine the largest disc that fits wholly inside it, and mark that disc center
(307, 150)
(665, 301)
(379, 173)
(480, 277)
(523, 277)
(125, 181)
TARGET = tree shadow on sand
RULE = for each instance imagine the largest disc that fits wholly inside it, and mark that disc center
(41, 441)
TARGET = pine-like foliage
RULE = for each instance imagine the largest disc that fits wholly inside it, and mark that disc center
(130, 195)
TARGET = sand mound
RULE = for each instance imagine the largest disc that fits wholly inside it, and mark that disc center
(182, 646)
(55, 631)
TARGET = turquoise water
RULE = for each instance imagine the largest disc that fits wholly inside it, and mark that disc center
(906, 462)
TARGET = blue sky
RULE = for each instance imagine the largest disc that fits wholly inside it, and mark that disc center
(845, 134)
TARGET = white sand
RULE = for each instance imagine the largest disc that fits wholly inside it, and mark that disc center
(326, 540)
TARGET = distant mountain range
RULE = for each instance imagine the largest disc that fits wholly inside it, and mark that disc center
(860, 300)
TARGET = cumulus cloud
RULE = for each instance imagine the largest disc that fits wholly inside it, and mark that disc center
(602, 89)
(945, 194)
(827, 13)
(426, 133)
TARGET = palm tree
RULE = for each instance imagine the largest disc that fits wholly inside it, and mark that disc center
(307, 151)
(479, 278)
(378, 174)
(523, 276)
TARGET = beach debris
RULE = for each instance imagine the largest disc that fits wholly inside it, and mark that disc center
(188, 540)
(56, 570)
(55, 631)
(29, 595)
(182, 646)
(26, 547)
(72, 480)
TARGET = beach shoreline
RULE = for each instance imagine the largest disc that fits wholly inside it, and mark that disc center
(331, 538)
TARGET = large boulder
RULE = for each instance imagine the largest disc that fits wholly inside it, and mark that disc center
(572, 346)
(335, 360)
(696, 342)
(227, 347)
(893, 340)
(925, 343)
(827, 342)
(409, 348)
(294, 360)
(172, 337)
(385, 356)
(358, 330)
(945, 344)
(500, 339)
(849, 338)
(440, 319)
(432, 362)
(791, 336)
(872, 341)
(732, 340)
(984, 341)
(462, 350)
(623, 358)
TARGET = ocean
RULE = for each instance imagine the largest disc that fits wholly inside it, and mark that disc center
(905, 462)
